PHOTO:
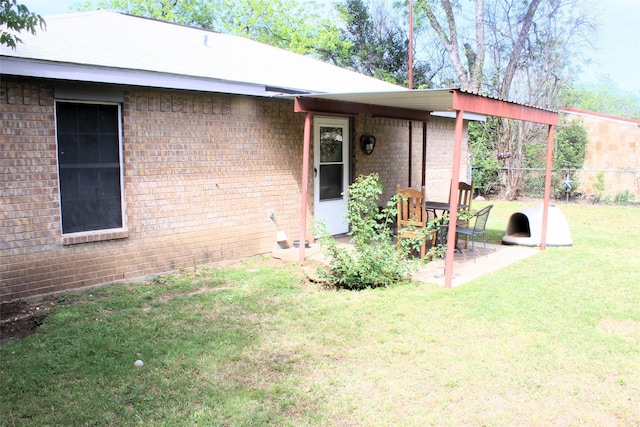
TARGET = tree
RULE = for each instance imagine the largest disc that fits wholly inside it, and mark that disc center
(286, 24)
(512, 41)
(570, 147)
(367, 37)
(469, 77)
(15, 18)
(605, 97)
(486, 164)
(518, 50)
(194, 13)
(571, 141)
(379, 44)
(569, 154)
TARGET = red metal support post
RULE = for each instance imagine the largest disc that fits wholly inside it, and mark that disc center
(424, 154)
(453, 199)
(410, 160)
(547, 188)
(305, 183)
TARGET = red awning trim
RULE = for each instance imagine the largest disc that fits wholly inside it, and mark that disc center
(315, 105)
(494, 107)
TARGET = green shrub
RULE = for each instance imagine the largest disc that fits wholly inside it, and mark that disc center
(484, 161)
(623, 198)
(598, 187)
(374, 259)
(571, 141)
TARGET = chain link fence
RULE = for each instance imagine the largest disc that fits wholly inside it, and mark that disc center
(600, 186)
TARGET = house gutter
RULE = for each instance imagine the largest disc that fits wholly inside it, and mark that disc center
(121, 76)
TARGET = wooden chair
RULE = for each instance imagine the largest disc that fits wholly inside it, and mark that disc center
(465, 196)
(412, 215)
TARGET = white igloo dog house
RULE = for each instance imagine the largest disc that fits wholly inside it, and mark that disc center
(525, 228)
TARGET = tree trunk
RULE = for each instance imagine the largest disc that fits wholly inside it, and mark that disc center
(528, 46)
(510, 72)
(477, 68)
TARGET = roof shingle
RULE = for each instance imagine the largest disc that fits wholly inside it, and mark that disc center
(113, 40)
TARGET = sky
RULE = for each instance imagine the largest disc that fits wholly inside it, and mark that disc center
(617, 52)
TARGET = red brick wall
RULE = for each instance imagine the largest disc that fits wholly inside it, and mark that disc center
(29, 185)
(201, 173)
(391, 155)
(212, 165)
(613, 148)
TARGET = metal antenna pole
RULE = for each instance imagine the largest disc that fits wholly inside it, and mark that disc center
(410, 44)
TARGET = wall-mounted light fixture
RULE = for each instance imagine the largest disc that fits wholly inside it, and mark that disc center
(367, 143)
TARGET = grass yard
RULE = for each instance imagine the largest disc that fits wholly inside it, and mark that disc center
(552, 340)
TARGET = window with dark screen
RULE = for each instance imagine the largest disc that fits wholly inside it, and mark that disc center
(89, 166)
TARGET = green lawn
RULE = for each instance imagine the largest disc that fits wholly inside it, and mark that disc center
(552, 340)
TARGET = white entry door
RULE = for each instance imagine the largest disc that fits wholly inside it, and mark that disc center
(331, 171)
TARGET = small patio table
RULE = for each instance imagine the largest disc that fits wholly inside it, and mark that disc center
(441, 206)
(444, 207)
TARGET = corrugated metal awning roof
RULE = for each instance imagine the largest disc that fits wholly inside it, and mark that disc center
(418, 104)
(427, 100)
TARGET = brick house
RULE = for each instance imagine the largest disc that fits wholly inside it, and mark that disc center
(613, 149)
(139, 151)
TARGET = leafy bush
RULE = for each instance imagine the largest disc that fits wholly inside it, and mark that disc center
(571, 146)
(374, 260)
(623, 198)
(484, 161)
(598, 187)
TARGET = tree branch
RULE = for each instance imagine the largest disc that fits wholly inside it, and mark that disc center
(476, 70)
(505, 87)
(449, 41)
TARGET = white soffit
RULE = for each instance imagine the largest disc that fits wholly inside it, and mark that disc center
(466, 116)
(422, 100)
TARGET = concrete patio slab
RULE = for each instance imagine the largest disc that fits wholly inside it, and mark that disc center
(464, 268)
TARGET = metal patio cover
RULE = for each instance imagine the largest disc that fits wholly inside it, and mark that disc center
(418, 105)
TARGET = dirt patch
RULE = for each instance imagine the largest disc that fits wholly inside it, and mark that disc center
(20, 319)
(626, 328)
